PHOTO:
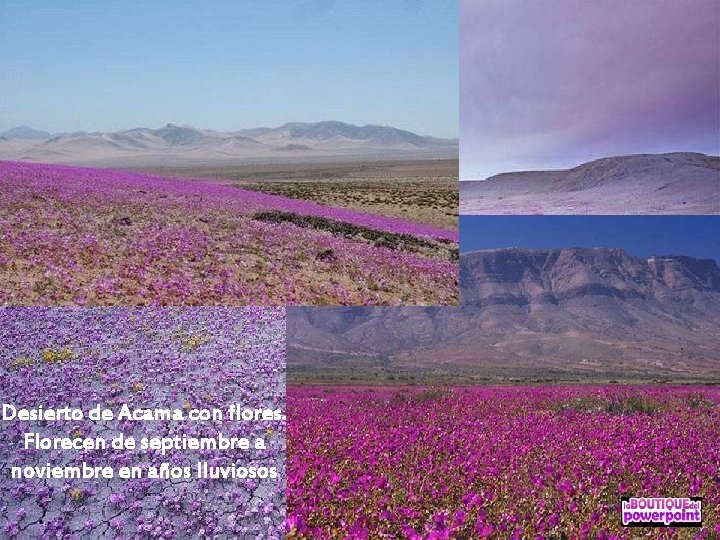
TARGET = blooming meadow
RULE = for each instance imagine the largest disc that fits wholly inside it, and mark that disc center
(79, 236)
(497, 462)
(143, 358)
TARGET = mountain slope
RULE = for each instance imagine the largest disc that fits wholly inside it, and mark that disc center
(680, 182)
(333, 130)
(25, 133)
(173, 143)
(598, 313)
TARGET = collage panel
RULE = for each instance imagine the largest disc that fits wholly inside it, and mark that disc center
(260, 168)
(580, 371)
(573, 107)
(104, 433)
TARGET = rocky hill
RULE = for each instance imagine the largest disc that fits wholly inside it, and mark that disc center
(673, 183)
(573, 313)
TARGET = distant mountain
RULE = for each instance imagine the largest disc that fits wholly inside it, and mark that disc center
(679, 182)
(323, 131)
(25, 133)
(179, 135)
(567, 313)
(173, 143)
(616, 170)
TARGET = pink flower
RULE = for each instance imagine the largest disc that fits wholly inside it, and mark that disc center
(296, 523)
(484, 530)
(566, 487)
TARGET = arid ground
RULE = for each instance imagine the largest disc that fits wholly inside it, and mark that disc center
(424, 191)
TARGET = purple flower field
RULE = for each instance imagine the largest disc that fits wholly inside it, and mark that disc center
(497, 462)
(79, 236)
(187, 359)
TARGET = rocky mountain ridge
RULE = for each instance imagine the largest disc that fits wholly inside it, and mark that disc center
(585, 313)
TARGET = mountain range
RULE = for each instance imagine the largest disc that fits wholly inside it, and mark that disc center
(25, 133)
(173, 143)
(576, 313)
(672, 183)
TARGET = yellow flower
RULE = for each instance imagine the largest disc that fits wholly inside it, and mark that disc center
(22, 361)
(191, 343)
(61, 355)
(76, 495)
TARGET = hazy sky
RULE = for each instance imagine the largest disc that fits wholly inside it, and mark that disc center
(695, 236)
(551, 84)
(77, 65)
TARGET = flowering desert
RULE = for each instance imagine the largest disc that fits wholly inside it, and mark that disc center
(497, 462)
(80, 236)
(145, 359)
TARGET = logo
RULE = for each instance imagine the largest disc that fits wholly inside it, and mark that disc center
(661, 511)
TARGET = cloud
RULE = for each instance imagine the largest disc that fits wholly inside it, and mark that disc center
(550, 84)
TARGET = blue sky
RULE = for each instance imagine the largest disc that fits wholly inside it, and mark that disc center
(229, 64)
(696, 236)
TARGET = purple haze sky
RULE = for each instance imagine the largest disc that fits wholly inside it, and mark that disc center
(547, 85)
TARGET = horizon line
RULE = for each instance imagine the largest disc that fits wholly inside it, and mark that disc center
(185, 125)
